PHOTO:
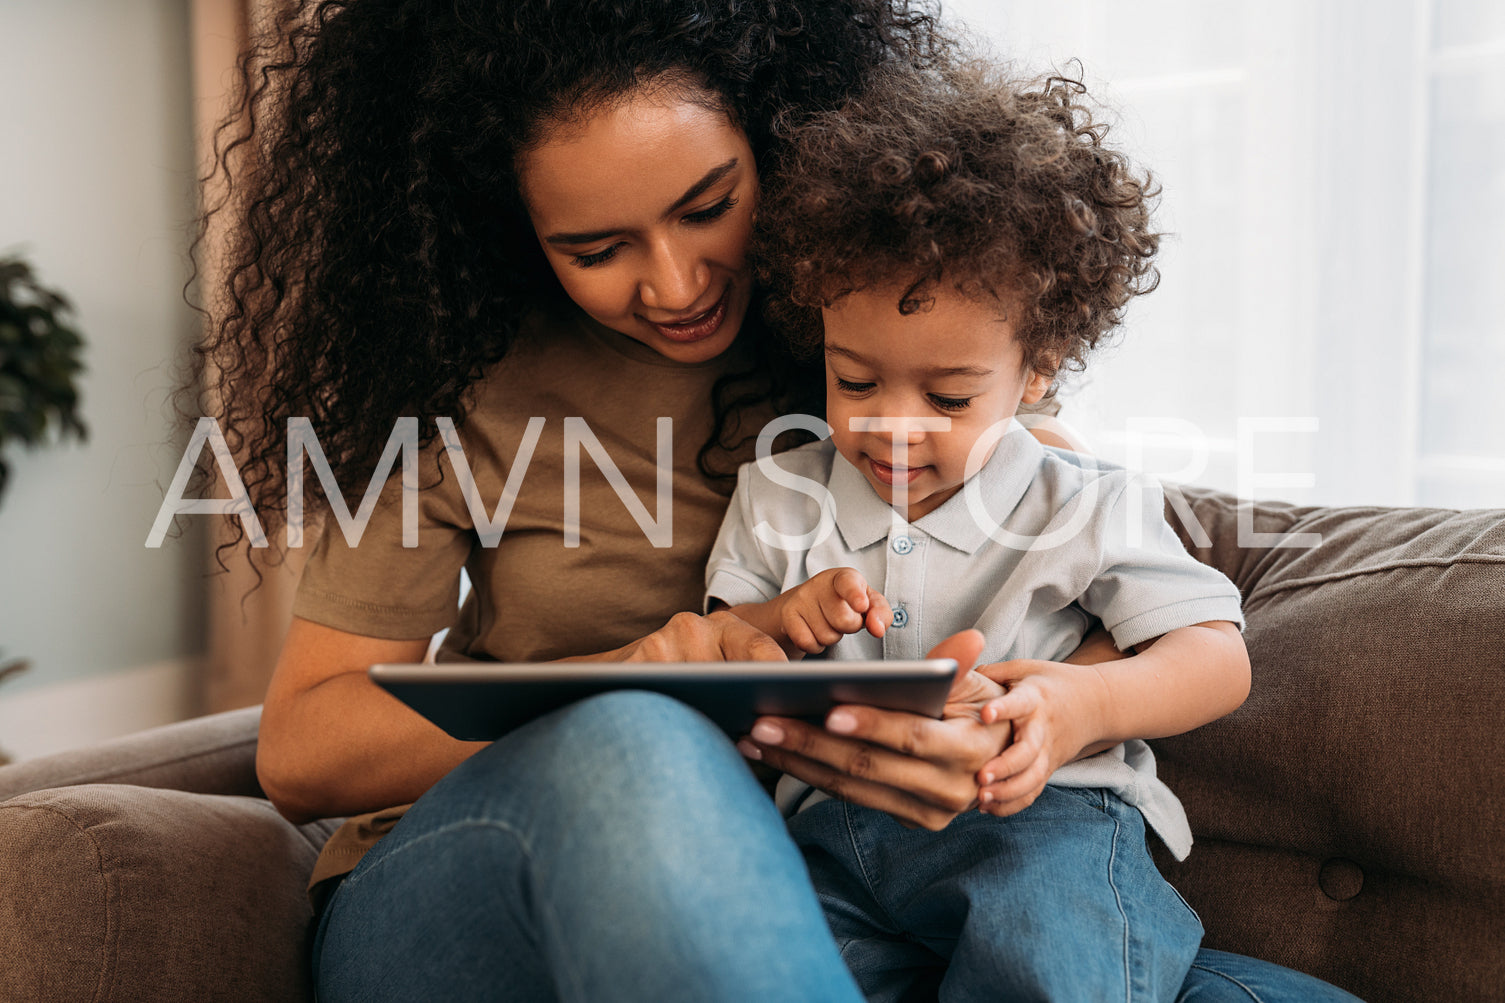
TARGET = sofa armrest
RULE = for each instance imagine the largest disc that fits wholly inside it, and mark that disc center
(152, 867)
(112, 892)
(207, 755)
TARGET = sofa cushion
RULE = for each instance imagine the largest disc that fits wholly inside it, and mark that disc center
(1347, 816)
(114, 892)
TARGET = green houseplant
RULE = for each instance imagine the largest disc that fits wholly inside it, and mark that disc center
(39, 363)
(39, 366)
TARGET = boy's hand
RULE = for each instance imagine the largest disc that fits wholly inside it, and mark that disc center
(1054, 709)
(819, 612)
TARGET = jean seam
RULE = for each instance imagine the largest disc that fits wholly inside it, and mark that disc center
(1118, 901)
(546, 914)
(1189, 908)
(1224, 975)
(867, 880)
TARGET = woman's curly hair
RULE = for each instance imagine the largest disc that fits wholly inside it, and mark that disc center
(379, 257)
(1000, 188)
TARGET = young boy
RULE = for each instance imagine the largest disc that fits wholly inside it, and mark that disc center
(950, 247)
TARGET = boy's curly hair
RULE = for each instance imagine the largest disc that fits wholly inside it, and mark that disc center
(1000, 188)
(379, 257)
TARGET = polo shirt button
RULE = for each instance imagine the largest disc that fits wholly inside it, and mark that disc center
(902, 545)
(901, 616)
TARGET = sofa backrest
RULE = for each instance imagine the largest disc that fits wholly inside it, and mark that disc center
(207, 755)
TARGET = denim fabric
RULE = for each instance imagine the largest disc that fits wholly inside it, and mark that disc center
(620, 849)
(1058, 902)
(1220, 977)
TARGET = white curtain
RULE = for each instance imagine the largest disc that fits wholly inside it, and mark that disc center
(1334, 176)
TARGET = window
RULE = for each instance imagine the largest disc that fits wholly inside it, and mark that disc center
(1334, 188)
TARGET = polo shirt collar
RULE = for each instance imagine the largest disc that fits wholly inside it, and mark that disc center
(863, 518)
(861, 515)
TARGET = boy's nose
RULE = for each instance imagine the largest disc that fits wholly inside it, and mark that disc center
(892, 428)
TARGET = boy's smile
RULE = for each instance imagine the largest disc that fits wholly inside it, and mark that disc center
(908, 396)
(894, 475)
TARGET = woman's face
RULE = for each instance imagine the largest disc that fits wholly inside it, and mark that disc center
(644, 211)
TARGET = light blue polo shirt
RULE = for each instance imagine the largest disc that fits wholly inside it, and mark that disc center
(1037, 542)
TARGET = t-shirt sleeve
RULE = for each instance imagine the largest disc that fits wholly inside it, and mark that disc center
(376, 586)
(1147, 584)
(739, 570)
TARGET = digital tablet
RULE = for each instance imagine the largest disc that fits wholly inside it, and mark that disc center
(480, 701)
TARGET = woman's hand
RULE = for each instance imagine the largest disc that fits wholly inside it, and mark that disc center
(919, 770)
(715, 637)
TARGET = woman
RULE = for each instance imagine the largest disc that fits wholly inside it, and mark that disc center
(532, 220)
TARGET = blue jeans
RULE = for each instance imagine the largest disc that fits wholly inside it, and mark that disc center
(617, 849)
(1058, 902)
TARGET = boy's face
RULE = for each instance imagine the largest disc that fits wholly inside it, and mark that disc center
(957, 361)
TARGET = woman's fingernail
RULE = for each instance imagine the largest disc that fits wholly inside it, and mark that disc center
(748, 749)
(986, 797)
(843, 722)
(987, 778)
(768, 734)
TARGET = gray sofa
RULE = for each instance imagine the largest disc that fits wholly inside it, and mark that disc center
(1348, 816)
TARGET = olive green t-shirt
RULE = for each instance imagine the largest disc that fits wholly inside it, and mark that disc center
(638, 558)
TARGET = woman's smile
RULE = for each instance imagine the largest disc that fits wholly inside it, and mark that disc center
(694, 327)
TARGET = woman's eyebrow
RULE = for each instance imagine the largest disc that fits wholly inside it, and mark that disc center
(692, 193)
(699, 188)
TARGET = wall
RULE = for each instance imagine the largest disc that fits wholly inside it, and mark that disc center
(97, 189)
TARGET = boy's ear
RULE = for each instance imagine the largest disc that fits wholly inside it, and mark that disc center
(1039, 383)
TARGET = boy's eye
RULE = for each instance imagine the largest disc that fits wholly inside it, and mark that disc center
(950, 403)
(597, 258)
(716, 211)
(848, 387)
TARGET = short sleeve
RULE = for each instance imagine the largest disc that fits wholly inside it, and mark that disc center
(379, 588)
(738, 570)
(1147, 584)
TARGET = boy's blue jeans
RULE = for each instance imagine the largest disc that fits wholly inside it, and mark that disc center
(1058, 902)
(620, 849)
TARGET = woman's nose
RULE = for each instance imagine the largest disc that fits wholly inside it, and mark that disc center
(675, 280)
